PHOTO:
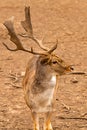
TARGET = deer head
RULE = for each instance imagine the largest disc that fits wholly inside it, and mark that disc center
(53, 64)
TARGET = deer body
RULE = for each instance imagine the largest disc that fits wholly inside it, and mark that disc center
(40, 89)
(41, 79)
(40, 86)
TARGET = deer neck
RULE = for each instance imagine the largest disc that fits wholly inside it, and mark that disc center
(45, 75)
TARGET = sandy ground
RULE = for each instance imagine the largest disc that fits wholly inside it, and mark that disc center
(65, 20)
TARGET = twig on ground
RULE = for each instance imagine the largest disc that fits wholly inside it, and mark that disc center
(15, 77)
(14, 85)
(78, 73)
(65, 106)
(85, 114)
(82, 126)
(73, 118)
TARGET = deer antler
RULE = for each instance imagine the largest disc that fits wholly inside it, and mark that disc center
(53, 48)
(13, 37)
(26, 24)
(28, 28)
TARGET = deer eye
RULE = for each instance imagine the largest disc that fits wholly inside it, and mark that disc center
(54, 62)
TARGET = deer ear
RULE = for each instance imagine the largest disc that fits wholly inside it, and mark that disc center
(44, 61)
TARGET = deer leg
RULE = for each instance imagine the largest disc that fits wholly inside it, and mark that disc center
(36, 120)
(47, 122)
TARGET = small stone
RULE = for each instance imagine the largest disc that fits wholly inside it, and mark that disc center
(74, 81)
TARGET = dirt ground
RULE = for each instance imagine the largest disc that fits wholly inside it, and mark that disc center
(65, 20)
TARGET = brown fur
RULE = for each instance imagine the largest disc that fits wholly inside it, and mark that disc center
(40, 90)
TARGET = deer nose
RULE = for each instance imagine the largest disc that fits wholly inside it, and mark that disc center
(71, 68)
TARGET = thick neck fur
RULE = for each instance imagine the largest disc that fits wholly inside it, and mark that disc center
(42, 77)
(43, 73)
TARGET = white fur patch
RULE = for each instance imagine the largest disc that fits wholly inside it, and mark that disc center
(46, 96)
(53, 80)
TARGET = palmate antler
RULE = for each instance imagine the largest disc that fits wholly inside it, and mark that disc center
(27, 25)
(14, 38)
(28, 28)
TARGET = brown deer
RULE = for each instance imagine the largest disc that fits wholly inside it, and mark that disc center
(41, 78)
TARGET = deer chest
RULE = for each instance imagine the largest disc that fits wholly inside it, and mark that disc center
(43, 100)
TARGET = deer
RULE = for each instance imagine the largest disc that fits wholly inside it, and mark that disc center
(42, 74)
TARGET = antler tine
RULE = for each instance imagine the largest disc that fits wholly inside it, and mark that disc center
(13, 37)
(27, 25)
(54, 47)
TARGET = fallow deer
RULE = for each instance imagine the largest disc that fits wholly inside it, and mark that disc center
(41, 78)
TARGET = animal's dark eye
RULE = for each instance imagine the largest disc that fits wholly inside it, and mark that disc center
(54, 62)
